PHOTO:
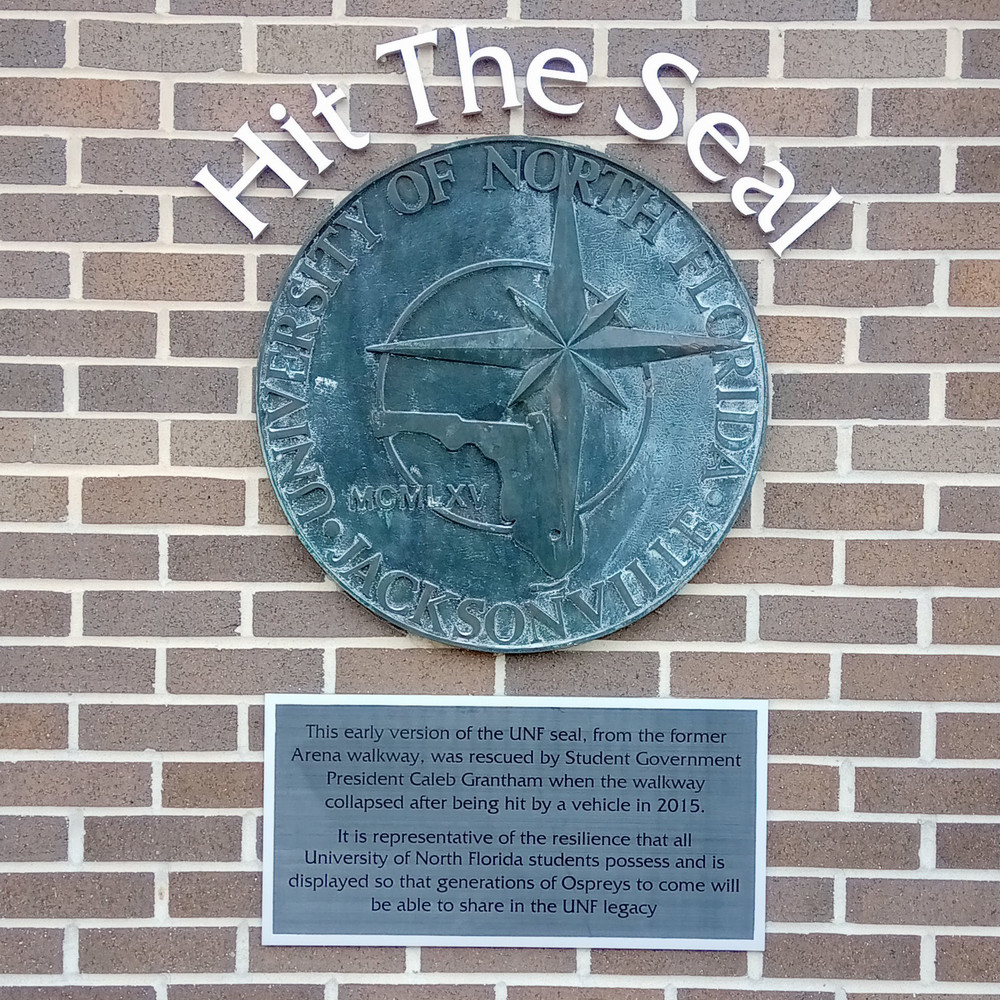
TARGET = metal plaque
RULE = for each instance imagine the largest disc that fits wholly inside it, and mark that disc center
(514, 821)
(511, 394)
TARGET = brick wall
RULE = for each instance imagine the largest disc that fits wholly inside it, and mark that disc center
(151, 592)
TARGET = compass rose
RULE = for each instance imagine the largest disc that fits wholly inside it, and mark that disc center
(564, 346)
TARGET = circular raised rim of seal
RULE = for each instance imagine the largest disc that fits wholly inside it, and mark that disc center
(547, 334)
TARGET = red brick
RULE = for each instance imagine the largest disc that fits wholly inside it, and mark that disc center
(770, 560)
(973, 396)
(388, 108)
(968, 845)
(92, 333)
(150, 388)
(357, 991)
(158, 727)
(78, 556)
(575, 993)
(114, 6)
(854, 283)
(162, 500)
(671, 166)
(842, 956)
(79, 103)
(212, 334)
(833, 232)
(146, 950)
(163, 838)
(802, 786)
(159, 48)
(252, 8)
(938, 339)
(33, 498)
(979, 54)
(427, 8)
(248, 991)
(717, 52)
(77, 441)
(933, 226)
(926, 449)
(934, 10)
(350, 170)
(271, 269)
(630, 674)
(922, 901)
(414, 671)
(749, 675)
(31, 387)
(33, 727)
(314, 48)
(626, 962)
(727, 994)
(31, 951)
(864, 169)
(598, 10)
(691, 618)
(215, 894)
(916, 563)
(837, 619)
(76, 894)
(844, 506)
(213, 786)
(33, 159)
(33, 838)
(214, 107)
(58, 783)
(935, 111)
(966, 620)
(977, 170)
(778, 10)
(33, 612)
(801, 844)
(844, 734)
(789, 448)
(97, 218)
(160, 613)
(968, 959)
(927, 677)
(273, 558)
(968, 735)
(849, 397)
(255, 720)
(200, 219)
(243, 671)
(321, 615)
(810, 339)
(927, 790)
(144, 161)
(83, 669)
(33, 275)
(154, 276)
(279, 959)
(799, 900)
(229, 443)
(899, 52)
(785, 111)
(974, 283)
(493, 960)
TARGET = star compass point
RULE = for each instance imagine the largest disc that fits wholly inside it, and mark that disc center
(565, 344)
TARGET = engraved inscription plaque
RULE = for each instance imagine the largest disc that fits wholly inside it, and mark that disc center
(511, 395)
(514, 821)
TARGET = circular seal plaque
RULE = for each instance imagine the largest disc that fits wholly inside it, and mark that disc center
(511, 395)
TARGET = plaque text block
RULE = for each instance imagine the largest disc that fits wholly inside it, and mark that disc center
(514, 821)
